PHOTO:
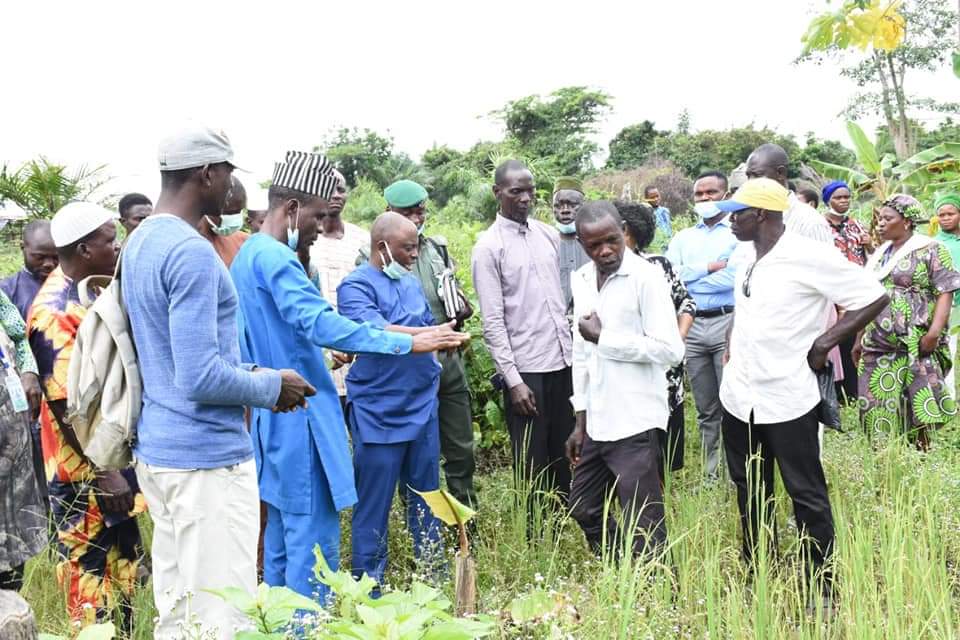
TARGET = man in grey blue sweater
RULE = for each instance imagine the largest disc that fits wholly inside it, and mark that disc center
(194, 458)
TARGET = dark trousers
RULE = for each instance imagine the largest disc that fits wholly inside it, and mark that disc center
(456, 429)
(631, 468)
(671, 441)
(793, 445)
(540, 441)
(847, 388)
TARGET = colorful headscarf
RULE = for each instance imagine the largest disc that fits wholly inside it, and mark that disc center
(830, 187)
(907, 206)
(949, 198)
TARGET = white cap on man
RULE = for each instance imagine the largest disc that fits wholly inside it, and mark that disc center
(194, 145)
(76, 221)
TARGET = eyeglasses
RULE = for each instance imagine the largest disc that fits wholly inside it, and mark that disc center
(746, 281)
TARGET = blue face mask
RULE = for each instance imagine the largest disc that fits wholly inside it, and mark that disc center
(394, 270)
(293, 235)
(566, 229)
(229, 223)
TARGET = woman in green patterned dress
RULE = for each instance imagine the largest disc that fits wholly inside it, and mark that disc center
(903, 354)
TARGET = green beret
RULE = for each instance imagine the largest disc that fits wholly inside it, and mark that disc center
(568, 183)
(404, 193)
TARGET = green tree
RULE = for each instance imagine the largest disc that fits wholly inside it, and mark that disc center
(713, 150)
(556, 129)
(41, 187)
(633, 145)
(876, 176)
(922, 46)
(946, 131)
(358, 153)
(831, 151)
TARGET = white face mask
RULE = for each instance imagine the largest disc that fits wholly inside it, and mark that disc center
(707, 210)
(229, 223)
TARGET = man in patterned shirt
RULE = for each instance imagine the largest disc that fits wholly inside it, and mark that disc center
(93, 509)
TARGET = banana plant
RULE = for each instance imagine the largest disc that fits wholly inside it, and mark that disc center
(877, 177)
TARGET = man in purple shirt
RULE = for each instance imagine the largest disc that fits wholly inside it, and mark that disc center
(39, 261)
(516, 275)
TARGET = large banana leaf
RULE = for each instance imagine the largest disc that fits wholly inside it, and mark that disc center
(866, 152)
(854, 178)
(931, 165)
(942, 151)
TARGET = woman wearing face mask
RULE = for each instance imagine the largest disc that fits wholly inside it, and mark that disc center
(639, 227)
(850, 237)
(903, 354)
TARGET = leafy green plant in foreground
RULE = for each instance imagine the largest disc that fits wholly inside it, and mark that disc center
(421, 613)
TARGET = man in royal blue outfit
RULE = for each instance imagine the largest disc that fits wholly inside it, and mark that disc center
(391, 402)
(303, 458)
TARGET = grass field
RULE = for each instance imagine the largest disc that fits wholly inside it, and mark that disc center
(897, 514)
(898, 544)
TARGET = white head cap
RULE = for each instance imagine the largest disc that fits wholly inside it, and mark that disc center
(194, 145)
(77, 220)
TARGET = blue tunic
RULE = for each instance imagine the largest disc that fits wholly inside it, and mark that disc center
(286, 324)
(391, 399)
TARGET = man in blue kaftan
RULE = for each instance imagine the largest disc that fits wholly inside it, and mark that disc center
(303, 459)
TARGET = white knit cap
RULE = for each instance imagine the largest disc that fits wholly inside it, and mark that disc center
(77, 220)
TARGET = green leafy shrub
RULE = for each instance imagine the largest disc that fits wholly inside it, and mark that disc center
(421, 613)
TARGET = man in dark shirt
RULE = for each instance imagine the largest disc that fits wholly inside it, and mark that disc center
(134, 209)
(39, 261)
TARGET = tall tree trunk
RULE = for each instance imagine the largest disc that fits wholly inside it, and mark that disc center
(901, 99)
(887, 98)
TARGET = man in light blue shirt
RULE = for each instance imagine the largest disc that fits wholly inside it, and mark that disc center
(661, 215)
(700, 254)
(194, 459)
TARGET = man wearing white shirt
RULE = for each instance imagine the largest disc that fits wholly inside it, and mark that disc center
(626, 341)
(769, 391)
(771, 161)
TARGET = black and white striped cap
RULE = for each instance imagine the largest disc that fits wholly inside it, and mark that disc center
(306, 172)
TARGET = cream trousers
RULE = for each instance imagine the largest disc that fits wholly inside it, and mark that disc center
(206, 523)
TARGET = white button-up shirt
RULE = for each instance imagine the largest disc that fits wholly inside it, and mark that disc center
(791, 290)
(621, 382)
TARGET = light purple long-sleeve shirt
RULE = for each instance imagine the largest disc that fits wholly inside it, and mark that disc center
(516, 275)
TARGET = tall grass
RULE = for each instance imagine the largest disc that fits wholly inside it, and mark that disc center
(897, 515)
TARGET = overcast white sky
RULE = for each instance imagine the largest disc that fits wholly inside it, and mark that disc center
(100, 82)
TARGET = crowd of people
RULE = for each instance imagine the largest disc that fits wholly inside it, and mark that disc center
(312, 366)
